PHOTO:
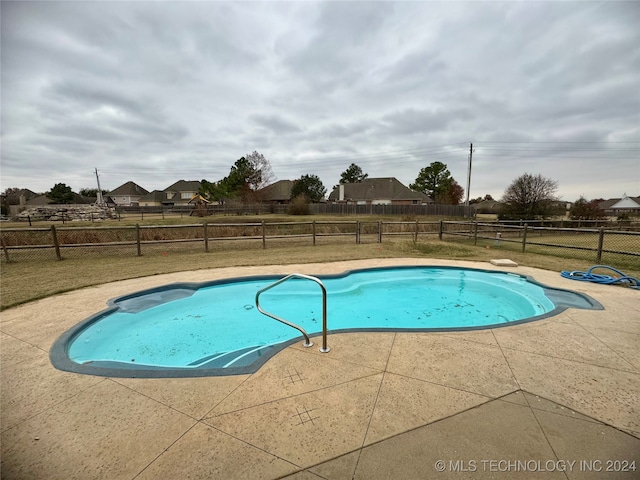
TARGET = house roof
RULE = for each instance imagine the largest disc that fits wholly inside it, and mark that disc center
(627, 202)
(491, 206)
(129, 188)
(14, 198)
(280, 190)
(184, 186)
(388, 188)
(155, 196)
(620, 203)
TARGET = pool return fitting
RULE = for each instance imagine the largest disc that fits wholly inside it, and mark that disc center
(307, 341)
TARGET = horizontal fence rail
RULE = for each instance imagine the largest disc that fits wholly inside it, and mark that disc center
(58, 242)
(594, 244)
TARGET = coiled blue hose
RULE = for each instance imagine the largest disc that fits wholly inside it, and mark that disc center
(588, 276)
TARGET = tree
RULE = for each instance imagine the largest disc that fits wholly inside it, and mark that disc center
(213, 191)
(528, 197)
(60, 193)
(353, 174)
(263, 174)
(246, 176)
(452, 195)
(91, 192)
(586, 210)
(434, 180)
(309, 186)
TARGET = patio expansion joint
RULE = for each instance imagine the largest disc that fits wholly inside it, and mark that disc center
(341, 360)
(458, 389)
(375, 403)
(207, 416)
(475, 342)
(46, 409)
(24, 341)
(618, 354)
(418, 427)
(528, 406)
(115, 380)
(588, 418)
(633, 371)
(166, 449)
(257, 447)
(200, 422)
(513, 375)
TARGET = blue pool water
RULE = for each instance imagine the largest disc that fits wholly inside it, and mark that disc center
(215, 328)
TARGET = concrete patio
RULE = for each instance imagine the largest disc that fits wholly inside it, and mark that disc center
(557, 398)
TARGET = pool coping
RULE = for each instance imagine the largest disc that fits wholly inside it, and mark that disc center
(59, 356)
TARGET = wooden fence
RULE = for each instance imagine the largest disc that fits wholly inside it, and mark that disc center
(24, 244)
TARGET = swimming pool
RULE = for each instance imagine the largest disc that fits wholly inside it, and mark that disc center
(214, 328)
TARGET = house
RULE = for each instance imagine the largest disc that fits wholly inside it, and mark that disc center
(16, 201)
(180, 193)
(128, 194)
(619, 206)
(377, 191)
(278, 192)
(487, 207)
(153, 199)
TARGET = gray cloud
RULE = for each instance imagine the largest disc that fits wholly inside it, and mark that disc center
(275, 123)
(155, 92)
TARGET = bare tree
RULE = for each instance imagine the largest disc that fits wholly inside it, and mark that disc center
(263, 175)
(529, 196)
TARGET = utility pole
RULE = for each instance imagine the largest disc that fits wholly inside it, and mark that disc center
(466, 204)
(99, 200)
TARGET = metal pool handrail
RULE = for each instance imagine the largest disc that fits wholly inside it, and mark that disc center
(308, 342)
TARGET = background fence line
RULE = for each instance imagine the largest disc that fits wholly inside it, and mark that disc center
(594, 244)
(314, 208)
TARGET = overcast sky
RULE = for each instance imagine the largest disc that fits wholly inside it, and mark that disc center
(161, 91)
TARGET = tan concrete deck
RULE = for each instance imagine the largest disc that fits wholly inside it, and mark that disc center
(517, 402)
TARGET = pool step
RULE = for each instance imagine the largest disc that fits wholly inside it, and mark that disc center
(237, 358)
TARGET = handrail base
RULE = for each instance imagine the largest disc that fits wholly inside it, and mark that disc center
(324, 350)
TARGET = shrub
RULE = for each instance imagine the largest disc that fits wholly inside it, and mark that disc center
(299, 206)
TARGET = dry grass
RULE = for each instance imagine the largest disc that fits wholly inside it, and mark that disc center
(27, 281)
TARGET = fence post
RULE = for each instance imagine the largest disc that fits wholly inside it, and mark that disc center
(380, 231)
(415, 240)
(475, 233)
(600, 243)
(264, 236)
(138, 239)
(206, 237)
(357, 232)
(524, 237)
(4, 247)
(440, 231)
(56, 245)
(313, 231)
